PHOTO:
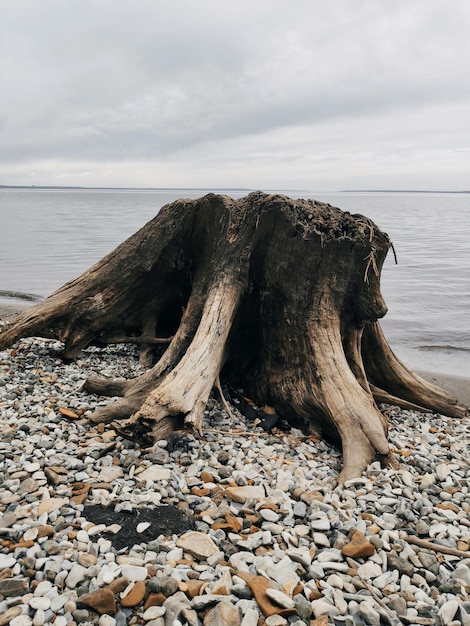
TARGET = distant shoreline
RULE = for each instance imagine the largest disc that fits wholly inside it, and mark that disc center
(238, 189)
(79, 188)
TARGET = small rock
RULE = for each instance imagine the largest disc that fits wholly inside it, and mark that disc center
(134, 572)
(422, 528)
(442, 471)
(250, 618)
(6, 561)
(402, 565)
(370, 615)
(153, 612)
(81, 615)
(21, 620)
(462, 572)
(119, 584)
(448, 611)
(369, 570)
(322, 607)
(275, 620)
(258, 586)
(280, 598)
(241, 494)
(300, 509)
(198, 544)
(397, 604)
(169, 586)
(322, 523)
(12, 587)
(87, 560)
(110, 473)
(358, 547)
(155, 474)
(51, 504)
(9, 615)
(175, 605)
(106, 620)
(101, 600)
(40, 602)
(303, 607)
(142, 527)
(223, 613)
(76, 575)
(135, 596)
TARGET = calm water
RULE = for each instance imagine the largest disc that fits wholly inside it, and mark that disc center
(48, 237)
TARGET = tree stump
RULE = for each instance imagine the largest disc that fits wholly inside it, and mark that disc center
(282, 295)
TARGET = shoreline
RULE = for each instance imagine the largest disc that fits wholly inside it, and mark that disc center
(458, 386)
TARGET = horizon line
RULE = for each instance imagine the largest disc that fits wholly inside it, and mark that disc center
(229, 188)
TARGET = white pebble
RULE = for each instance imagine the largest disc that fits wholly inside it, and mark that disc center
(280, 598)
(39, 618)
(6, 561)
(448, 611)
(142, 527)
(21, 620)
(154, 612)
(40, 602)
(134, 572)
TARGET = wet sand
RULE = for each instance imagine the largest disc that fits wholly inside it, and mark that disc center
(459, 386)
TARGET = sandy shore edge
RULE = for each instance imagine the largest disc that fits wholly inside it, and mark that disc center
(459, 386)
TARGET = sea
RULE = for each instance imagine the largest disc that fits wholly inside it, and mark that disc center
(49, 236)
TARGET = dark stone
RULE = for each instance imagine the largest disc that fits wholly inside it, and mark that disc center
(223, 457)
(450, 586)
(154, 585)
(402, 565)
(121, 619)
(303, 607)
(225, 472)
(10, 587)
(81, 615)
(159, 457)
(164, 520)
(242, 592)
(169, 586)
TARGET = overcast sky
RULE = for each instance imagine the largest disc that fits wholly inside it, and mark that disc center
(318, 95)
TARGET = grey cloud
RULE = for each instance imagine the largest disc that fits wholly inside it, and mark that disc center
(115, 81)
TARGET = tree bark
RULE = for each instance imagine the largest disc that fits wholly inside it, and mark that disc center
(281, 296)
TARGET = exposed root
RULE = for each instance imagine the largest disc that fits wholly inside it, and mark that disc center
(223, 401)
(105, 387)
(388, 373)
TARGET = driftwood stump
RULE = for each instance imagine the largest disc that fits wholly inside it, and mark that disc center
(282, 295)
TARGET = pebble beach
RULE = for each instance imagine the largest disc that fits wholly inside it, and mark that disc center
(261, 532)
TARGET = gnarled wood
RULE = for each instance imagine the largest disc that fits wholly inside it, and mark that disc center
(281, 296)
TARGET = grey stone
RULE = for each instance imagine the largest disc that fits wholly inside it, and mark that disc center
(169, 586)
(300, 509)
(12, 587)
(174, 606)
(81, 615)
(448, 611)
(303, 606)
(396, 603)
(222, 613)
(402, 565)
(370, 615)
(463, 573)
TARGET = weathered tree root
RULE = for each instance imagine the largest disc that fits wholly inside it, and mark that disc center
(282, 295)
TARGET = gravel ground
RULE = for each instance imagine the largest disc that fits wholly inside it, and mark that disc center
(255, 528)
